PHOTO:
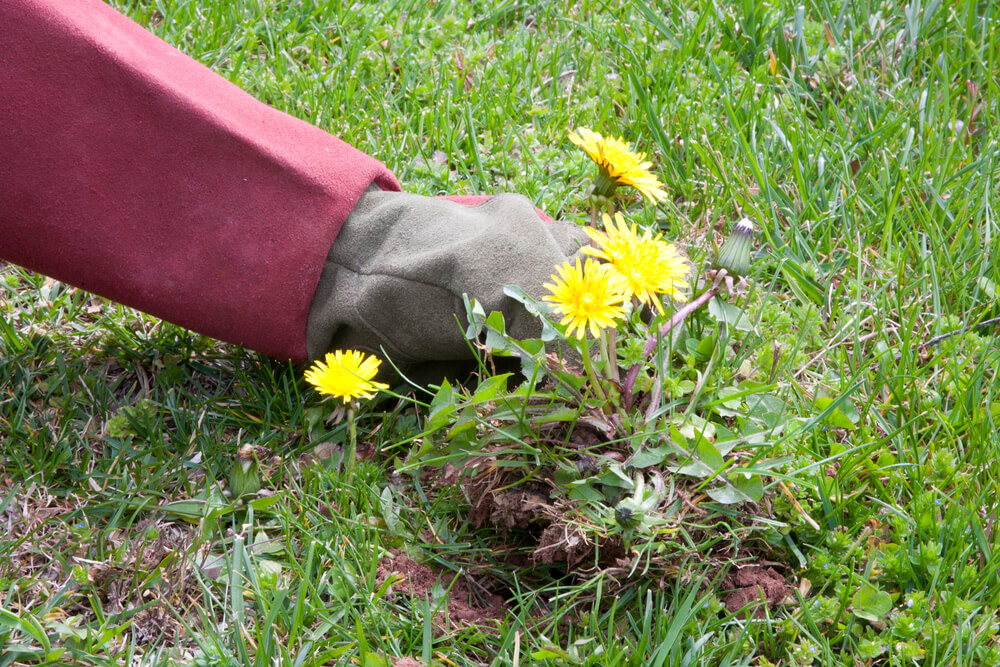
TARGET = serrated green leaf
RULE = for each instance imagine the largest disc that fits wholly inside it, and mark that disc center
(263, 503)
(490, 388)
(560, 414)
(728, 495)
(650, 456)
(539, 309)
(709, 455)
(583, 489)
(497, 340)
(476, 316)
(752, 486)
(442, 408)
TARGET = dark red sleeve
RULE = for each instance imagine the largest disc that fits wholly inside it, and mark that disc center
(132, 171)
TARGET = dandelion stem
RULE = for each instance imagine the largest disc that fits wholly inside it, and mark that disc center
(674, 321)
(654, 397)
(679, 317)
(588, 364)
(609, 351)
(630, 378)
(351, 452)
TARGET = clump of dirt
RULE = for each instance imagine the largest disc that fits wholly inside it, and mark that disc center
(754, 584)
(418, 581)
(407, 662)
(562, 542)
(534, 522)
(520, 507)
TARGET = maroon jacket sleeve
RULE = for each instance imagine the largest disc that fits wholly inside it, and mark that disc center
(132, 171)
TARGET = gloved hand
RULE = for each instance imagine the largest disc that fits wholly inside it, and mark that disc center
(395, 276)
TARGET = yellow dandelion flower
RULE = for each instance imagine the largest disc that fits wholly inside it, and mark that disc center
(675, 271)
(618, 165)
(589, 295)
(648, 264)
(346, 375)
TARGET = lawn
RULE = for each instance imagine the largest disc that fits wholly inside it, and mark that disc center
(806, 473)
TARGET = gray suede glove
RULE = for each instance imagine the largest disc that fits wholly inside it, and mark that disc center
(395, 276)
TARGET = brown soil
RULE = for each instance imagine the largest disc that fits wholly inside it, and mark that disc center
(562, 542)
(753, 584)
(418, 581)
(545, 530)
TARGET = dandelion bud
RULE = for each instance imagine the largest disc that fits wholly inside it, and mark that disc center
(629, 513)
(245, 475)
(734, 255)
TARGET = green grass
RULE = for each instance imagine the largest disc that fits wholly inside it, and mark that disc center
(866, 154)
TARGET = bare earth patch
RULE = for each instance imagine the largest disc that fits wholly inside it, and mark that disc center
(754, 584)
(418, 581)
